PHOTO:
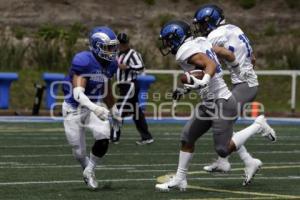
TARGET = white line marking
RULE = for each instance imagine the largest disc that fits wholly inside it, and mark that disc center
(230, 198)
(10, 165)
(221, 174)
(33, 146)
(70, 181)
(64, 166)
(125, 180)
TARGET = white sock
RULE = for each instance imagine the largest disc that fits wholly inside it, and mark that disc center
(239, 138)
(244, 155)
(83, 161)
(183, 163)
(92, 162)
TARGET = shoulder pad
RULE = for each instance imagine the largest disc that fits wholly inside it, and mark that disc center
(186, 50)
(81, 59)
(217, 36)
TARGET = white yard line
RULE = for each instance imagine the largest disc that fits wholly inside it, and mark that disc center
(125, 180)
(64, 166)
(70, 181)
(9, 165)
(231, 198)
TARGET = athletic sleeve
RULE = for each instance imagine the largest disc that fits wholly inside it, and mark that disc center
(80, 64)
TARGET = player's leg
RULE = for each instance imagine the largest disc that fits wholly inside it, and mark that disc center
(191, 132)
(74, 131)
(222, 130)
(222, 126)
(101, 134)
(243, 94)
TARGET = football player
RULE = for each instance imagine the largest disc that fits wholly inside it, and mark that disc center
(218, 109)
(209, 21)
(89, 85)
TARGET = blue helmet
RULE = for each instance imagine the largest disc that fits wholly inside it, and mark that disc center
(104, 43)
(208, 18)
(172, 35)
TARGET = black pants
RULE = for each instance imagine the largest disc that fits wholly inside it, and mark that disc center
(128, 104)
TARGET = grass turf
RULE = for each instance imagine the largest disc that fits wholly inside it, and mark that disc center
(36, 163)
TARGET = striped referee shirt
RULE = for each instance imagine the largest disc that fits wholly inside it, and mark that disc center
(133, 60)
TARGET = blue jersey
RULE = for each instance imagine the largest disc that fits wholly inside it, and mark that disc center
(86, 65)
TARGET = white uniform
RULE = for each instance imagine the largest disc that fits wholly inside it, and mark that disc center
(233, 38)
(224, 102)
(217, 88)
(76, 121)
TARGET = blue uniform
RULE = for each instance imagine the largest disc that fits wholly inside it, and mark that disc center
(86, 65)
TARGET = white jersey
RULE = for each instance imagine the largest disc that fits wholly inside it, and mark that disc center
(217, 87)
(233, 38)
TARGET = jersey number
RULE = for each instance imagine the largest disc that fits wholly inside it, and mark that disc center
(246, 41)
(213, 56)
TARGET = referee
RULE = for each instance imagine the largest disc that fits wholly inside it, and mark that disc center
(130, 65)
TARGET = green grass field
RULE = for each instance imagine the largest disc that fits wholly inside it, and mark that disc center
(36, 163)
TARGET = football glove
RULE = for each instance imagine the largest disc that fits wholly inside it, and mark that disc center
(115, 114)
(203, 91)
(116, 118)
(101, 112)
(198, 83)
(179, 92)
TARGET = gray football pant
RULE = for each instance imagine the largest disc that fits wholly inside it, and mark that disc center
(220, 116)
(243, 94)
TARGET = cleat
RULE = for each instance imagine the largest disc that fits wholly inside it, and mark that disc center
(220, 165)
(251, 169)
(144, 142)
(115, 141)
(266, 131)
(174, 183)
(90, 178)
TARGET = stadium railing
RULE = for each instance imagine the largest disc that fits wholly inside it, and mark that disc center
(291, 73)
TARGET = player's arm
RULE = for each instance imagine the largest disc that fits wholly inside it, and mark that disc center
(226, 55)
(200, 59)
(79, 84)
(209, 67)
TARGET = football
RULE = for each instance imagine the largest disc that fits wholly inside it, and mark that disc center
(186, 79)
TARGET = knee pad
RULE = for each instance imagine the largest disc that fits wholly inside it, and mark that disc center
(222, 151)
(100, 147)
